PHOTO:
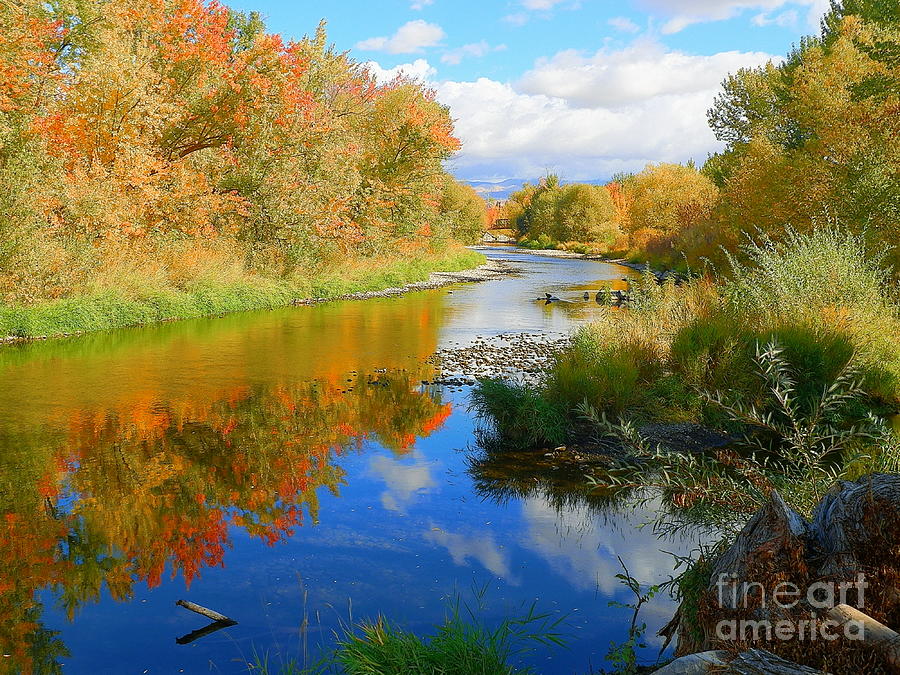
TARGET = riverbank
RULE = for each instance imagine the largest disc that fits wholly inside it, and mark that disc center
(490, 270)
(114, 308)
(690, 353)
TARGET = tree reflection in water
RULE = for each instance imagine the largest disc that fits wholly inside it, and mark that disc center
(113, 499)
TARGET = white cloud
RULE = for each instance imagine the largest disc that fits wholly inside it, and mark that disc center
(639, 72)
(475, 50)
(683, 13)
(788, 19)
(419, 5)
(540, 4)
(517, 19)
(419, 70)
(543, 6)
(411, 37)
(479, 546)
(623, 24)
(590, 116)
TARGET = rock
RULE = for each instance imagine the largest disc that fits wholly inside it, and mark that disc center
(684, 437)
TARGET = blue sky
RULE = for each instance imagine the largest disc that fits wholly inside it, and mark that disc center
(580, 87)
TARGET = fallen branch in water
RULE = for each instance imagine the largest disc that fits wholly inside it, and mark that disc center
(208, 613)
(203, 632)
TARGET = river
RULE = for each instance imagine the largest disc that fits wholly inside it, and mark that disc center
(291, 470)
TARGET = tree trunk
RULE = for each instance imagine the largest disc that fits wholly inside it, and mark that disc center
(752, 662)
(809, 567)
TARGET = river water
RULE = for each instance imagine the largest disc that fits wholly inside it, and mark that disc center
(291, 470)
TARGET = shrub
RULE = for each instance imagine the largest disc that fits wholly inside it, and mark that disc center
(540, 243)
(796, 446)
(822, 291)
(610, 375)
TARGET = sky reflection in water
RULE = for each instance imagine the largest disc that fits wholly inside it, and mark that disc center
(282, 466)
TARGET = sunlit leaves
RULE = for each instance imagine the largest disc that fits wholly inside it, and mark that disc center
(180, 118)
(815, 139)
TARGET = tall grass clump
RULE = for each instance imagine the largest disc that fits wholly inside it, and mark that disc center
(519, 414)
(458, 647)
(463, 644)
(620, 363)
(824, 295)
(821, 296)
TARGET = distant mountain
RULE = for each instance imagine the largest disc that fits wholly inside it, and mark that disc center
(502, 189)
(497, 189)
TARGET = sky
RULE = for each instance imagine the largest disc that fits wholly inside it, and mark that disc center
(580, 88)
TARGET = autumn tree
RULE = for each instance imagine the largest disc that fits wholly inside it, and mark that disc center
(666, 201)
(585, 213)
(166, 130)
(814, 139)
(464, 213)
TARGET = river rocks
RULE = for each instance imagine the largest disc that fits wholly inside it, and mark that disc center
(463, 381)
(553, 253)
(520, 356)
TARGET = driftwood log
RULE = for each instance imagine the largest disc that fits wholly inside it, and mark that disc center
(842, 565)
(208, 613)
(875, 633)
(751, 662)
(852, 520)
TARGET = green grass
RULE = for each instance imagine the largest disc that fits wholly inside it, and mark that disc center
(397, 274)
(119, 309)
(462, 645)
(609, 375)
(520, 414)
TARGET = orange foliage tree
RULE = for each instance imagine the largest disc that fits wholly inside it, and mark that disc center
(171, 124)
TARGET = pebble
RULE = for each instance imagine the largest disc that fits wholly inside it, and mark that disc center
(523, 357)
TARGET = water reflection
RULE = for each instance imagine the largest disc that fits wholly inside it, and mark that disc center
(117, 472)
(584, 533)
(477, 546)
(239, 455)
(407, 477)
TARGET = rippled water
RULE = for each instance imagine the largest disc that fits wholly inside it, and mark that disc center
(289, 469)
